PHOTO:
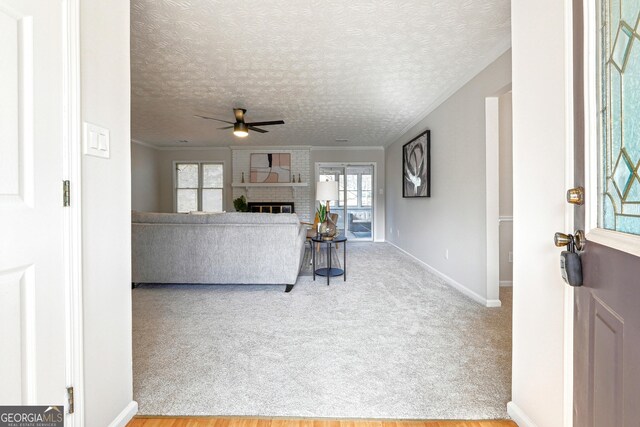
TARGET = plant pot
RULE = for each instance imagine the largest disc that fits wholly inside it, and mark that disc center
(328, 229)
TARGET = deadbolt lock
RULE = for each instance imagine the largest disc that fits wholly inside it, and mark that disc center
(575, 196)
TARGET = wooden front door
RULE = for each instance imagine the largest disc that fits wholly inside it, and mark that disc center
(607, 161)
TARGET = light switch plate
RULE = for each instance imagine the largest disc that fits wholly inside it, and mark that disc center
(95, 140)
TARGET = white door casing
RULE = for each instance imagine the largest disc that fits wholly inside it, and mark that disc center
(35, 135)
(543, 170)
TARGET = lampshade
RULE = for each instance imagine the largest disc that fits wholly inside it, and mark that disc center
(327, 190)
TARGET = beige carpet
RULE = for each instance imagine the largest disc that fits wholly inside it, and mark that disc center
(393, 341)
(321, 259)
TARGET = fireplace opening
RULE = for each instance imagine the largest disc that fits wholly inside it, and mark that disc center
(271, 207)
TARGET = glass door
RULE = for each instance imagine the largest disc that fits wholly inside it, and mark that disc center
(355, 205)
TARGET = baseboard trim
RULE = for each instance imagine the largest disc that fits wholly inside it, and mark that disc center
(506, 283)
(126, 415)
(493, 303)
(451, 282)
(519, 416)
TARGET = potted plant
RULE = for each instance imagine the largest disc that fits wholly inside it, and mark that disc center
(326, 228)
(240, 204)
(322, 213)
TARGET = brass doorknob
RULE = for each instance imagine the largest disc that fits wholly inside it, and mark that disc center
(575, 196)
(573, 242)
(561, 239)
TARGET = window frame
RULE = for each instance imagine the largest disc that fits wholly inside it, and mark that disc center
(200, 164)
(624, 242)
(359, 191)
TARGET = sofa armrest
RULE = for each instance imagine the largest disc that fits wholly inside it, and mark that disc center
(299, 245)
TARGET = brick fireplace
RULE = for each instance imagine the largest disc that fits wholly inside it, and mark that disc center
(296, 195)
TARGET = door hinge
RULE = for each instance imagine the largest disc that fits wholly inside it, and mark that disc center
(66, 193)
(70, 399)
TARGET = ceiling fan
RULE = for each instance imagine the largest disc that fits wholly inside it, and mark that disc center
(240, 128)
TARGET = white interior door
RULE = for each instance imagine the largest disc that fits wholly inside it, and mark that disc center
(32, 292)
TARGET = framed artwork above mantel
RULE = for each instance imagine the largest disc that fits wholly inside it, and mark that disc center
(270, 168)
(416, 166)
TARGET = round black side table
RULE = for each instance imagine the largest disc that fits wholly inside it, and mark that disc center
(328, 271)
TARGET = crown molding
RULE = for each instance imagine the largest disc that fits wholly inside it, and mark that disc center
(269, 147)
(144, 144)
(259, 148)
(502, 47)
(192, 148)
(352, 148)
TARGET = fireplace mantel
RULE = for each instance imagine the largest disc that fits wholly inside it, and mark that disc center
(269, 184)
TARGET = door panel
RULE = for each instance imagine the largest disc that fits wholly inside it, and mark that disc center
(17, 308)
(607, 339)
(32, 321)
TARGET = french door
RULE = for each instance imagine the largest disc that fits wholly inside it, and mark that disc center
(355, 207)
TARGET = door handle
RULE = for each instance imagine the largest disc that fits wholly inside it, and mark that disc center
(574, 242)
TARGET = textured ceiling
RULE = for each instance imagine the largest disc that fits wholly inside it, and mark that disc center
(362, 70)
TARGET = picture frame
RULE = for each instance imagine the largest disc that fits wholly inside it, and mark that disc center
(416, 166)
(270, 168)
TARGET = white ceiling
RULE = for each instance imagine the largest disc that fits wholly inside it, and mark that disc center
(358, 69)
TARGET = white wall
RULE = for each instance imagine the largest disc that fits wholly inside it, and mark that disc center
(505, 185)
(354, 154)
(541, 93)
(145, 178)
(454, 217)
(106, 220)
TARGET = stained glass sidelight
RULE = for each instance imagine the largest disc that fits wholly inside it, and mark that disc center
(619, 69)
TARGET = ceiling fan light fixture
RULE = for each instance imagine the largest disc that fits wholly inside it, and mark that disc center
(240, 130)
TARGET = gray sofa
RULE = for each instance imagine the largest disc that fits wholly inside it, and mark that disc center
(247, 248)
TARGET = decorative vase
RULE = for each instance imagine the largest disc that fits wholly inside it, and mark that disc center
(328, 229)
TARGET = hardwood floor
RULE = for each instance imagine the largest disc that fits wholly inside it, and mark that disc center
(266, 422)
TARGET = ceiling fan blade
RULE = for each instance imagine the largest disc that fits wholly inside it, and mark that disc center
(258, 130)
(239, 113)
(227, 127)
(212, 118)
(273, 122)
